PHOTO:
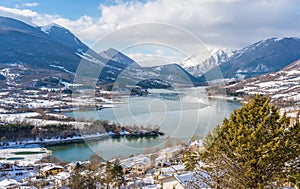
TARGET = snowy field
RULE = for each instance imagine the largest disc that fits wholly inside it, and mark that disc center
(23, 156)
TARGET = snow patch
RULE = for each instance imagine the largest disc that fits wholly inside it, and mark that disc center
(62, 68)
(47, 29)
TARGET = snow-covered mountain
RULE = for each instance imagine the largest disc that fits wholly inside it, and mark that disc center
(64, 37)
(22, 43)
(206, 61)
(265, 56)
(260, 58)
(282, 86)
(54, 47)
(57, 49)
(49, 47)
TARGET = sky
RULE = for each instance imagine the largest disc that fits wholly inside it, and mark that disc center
(217, 23)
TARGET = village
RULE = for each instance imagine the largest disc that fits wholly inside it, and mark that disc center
(27, 168)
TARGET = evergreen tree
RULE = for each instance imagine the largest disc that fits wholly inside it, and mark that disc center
(117, 172)
(190, 160)
(113, 175)
(253, 148)
(75, 180)
(211, 170)
(108, 179)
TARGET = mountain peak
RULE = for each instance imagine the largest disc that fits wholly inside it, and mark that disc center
(47, 29)
(117, 56)
(206, 61)
(64, 37)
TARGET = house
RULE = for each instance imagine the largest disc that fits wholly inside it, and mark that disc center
(141, 165)
(179, 168)
(62, 179)
(165, 172)
(51, 170)
(84, 164)
(9, 183)
(139, 168)
(186, 180)
(148, 180)
(160, 160)
(127, 165)
(190, 181)
(171, 183)
(137, 165)
(167, 155)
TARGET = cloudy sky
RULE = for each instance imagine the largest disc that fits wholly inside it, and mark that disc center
(218, 23)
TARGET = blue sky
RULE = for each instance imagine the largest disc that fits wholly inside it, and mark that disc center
(71, 9)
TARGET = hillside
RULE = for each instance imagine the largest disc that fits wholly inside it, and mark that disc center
(21, 43)
(282, 86)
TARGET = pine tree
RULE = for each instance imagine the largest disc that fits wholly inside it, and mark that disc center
(108, 179)
(212, 171)
(117, 172)
(113, 174)
(253, 148)
(190, 160)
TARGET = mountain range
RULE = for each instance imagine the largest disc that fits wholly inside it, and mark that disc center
(56, 49)
(260, 58)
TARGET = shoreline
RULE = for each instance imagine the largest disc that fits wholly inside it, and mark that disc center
(58, 141)
(225, 97)
(78, 139)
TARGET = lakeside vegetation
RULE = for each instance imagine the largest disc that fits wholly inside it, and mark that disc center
(21, 133)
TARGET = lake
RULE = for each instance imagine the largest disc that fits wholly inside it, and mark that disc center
(180, 114)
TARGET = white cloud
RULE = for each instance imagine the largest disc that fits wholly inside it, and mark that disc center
(24, 15)
(34, 4)
(85, 27)
(159, 51)
(154, 55)
(226, 23)
(218, 23)
(148, 59)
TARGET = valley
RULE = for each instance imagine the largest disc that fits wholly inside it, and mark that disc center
(58, 93)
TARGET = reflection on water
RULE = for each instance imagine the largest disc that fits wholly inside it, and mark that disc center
(180, 116)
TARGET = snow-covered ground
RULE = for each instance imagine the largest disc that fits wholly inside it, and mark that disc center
(23, 156)
(283, 87)
(28, 118)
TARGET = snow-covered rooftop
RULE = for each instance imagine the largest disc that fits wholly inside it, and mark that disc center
(51, 167)
(8, 182)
